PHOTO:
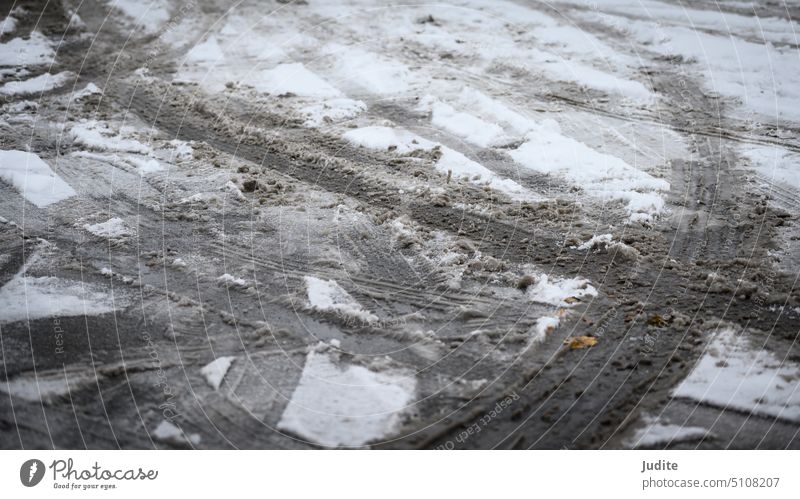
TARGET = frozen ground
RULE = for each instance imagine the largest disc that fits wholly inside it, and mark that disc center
(471, 224)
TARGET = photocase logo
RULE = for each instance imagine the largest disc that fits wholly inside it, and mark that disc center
(31, 472)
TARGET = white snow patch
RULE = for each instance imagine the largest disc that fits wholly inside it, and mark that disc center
(44, 388)
(8, 25)
(328, 296)
(404, 142)
(374, 73)
(229, 279)
(337, 404)
(181, 149)
(215, 371)
(464, 125)
(489, 108)
(169, 433)
(774, 163)
(35, 51)
(29, 298)
(97, 136)
(229, 186)
(595, 241)
(332, 110)
(37, 84)
(292, 78)
(33, 178)
(21, 106)
(604, 176)
(543, 326)
(657, 433)
(149, 14)
(112, 228)
(732, 374)
(201, 197)
(89, 89)
(207, 51)
(145, 165)
(763, 76)
(559, 291)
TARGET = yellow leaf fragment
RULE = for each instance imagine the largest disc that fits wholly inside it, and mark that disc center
(577, 342)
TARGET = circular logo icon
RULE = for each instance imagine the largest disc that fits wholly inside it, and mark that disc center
(31, 472)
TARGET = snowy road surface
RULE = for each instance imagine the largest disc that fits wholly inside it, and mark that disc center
(470, 224)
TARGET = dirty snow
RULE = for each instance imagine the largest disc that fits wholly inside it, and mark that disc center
(33, 178)
(594, 242)
(560, 292)
(544, 326)
(341, 404)
(37, 84)
(112, 228)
